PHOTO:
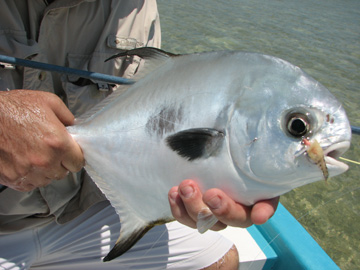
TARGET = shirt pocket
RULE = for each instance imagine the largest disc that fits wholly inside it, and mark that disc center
(82, 94)
(15, 44)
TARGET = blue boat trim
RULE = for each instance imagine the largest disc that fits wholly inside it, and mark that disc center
(294, 246)
(270, 254)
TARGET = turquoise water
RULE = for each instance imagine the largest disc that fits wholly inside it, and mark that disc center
(323, 38)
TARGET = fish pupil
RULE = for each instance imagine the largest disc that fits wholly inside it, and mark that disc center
(298, 126)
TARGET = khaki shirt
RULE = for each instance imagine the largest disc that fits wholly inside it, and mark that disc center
(78, 34)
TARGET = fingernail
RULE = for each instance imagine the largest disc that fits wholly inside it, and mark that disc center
(187, 191)
(172, 196)
(214, 203)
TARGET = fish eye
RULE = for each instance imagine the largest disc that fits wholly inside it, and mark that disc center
(297, 125)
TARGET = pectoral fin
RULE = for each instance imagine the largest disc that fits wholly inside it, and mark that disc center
(196, 143)
(206, 220)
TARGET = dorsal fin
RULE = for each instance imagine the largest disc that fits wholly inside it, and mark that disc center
(144, 53)
(152, 57)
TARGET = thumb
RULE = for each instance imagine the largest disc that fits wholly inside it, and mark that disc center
(73, 160)
(60, 110)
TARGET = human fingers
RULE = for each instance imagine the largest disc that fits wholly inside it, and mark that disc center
(57, 150)
(28, 183)
(191, 204)
(38, 177)
(262, 211)
(60, 110)
(178, 209)
(73, 159)
(226, 209)
(35, 138)
(21, 186)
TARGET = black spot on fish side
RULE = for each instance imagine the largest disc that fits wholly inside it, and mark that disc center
(196, 143)
(164, 121)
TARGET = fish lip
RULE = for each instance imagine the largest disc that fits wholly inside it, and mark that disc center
(333, 152)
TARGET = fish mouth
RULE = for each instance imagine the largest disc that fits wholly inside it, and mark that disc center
(331, 155)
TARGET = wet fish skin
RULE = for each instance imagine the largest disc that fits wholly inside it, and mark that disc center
(220, 118)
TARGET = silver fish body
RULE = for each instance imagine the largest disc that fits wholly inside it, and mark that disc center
(229, 120)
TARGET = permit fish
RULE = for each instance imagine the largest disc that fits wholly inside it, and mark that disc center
(241, 122)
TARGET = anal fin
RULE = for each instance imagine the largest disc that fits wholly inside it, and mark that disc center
(127, 240)
(123, 244)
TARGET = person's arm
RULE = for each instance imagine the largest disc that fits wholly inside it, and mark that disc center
(186, 200)
(35, 147)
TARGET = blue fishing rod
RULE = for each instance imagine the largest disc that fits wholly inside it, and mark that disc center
(355, 130)
(64, 70)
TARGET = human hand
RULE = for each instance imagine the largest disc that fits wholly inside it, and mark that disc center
(186, 201)
(35, 147)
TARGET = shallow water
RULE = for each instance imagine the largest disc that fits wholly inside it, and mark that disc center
(323, 38)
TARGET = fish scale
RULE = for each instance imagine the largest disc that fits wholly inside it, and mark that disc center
(220, 118)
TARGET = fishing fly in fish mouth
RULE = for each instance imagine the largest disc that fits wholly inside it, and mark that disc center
(258, 123)
(299, 126)
(316, 154)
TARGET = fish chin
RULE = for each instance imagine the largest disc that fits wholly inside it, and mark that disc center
(331, 154)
